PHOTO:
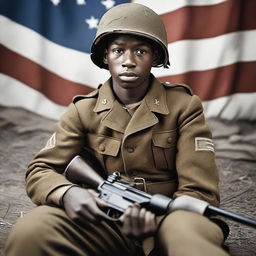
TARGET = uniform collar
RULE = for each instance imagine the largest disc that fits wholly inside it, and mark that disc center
(106, 97)
(115, 116)
(155, 97)
(118, 119)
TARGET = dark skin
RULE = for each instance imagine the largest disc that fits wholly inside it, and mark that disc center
(129, 60)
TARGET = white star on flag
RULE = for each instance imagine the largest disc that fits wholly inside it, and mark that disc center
(81, 2)
(108, 3)
(92, 22)
(55, 2)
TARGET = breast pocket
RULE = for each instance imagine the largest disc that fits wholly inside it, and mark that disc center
(103, 147)
(164, 149)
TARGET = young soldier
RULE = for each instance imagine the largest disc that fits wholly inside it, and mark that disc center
(134, 124)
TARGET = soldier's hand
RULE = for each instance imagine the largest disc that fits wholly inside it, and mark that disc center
(138, 223)
(83, 206)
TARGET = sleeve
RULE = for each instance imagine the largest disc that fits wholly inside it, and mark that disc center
(195, 160)
(45, 173)
(56, 195)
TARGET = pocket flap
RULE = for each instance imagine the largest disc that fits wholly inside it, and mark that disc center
(164, 139)
(104, 144)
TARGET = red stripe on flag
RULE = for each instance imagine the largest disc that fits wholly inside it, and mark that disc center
(54, 87)
(196, 22)
(210, 84)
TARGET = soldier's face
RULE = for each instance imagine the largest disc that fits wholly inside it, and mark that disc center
(129, 61)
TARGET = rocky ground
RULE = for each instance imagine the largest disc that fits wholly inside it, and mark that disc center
(23, 133)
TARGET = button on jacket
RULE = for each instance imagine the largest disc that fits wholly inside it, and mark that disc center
(166, 141)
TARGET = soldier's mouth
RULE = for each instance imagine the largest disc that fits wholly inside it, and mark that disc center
(128, 74)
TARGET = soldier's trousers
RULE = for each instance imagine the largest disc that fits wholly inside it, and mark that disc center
(48, 231)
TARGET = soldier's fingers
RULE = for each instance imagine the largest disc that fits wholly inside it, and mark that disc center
(99, 214)
(102, 215)
(93, 192)
(135, 212)
(150, 222)
(136, 222)
(125, 215)
(142, 213)
(84, 218)
(100, 202)
(126, 221)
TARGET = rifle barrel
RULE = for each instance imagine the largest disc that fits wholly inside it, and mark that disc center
(211, 210)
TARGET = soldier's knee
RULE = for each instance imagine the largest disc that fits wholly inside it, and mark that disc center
(177, 223)
(22, 235)
(29, 232)
(182, 225)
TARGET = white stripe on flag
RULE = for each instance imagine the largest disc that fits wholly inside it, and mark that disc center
(210, 53)
(234, 107)
(17, 94)
(163, 6)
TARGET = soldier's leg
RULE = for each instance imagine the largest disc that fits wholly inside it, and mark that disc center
(49, 231)
(186, 233)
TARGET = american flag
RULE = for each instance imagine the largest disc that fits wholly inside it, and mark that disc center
(45, 52)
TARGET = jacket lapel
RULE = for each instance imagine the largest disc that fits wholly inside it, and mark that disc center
(154, 102)
(114, 116)
(141, 119)
(118, 119)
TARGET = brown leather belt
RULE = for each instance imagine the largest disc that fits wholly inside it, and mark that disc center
(167, 187)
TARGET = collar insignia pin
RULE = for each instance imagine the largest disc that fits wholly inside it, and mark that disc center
(157, 102)
(104, 101)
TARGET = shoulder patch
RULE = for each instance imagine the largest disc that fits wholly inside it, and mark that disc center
(50, 143)
(204, 144)
(184, 86)
(89, 95)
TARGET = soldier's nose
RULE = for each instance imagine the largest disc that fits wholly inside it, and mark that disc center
(129, 60)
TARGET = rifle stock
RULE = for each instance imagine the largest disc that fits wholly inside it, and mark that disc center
(79, 172)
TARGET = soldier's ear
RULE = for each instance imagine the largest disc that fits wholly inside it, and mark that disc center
(156, 58)
(105, 60)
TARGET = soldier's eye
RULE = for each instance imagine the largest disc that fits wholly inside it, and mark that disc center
(118, 50)
(140, 51)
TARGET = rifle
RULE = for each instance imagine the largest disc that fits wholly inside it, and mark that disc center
(119, 195)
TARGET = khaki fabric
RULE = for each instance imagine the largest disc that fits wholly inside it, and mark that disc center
(156, 143)
(186, 233)
(49, 231)
(166, 141)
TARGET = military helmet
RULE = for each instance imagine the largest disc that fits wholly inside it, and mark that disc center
(134, 19)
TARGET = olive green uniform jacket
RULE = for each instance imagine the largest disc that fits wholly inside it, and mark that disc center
(166, 141)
